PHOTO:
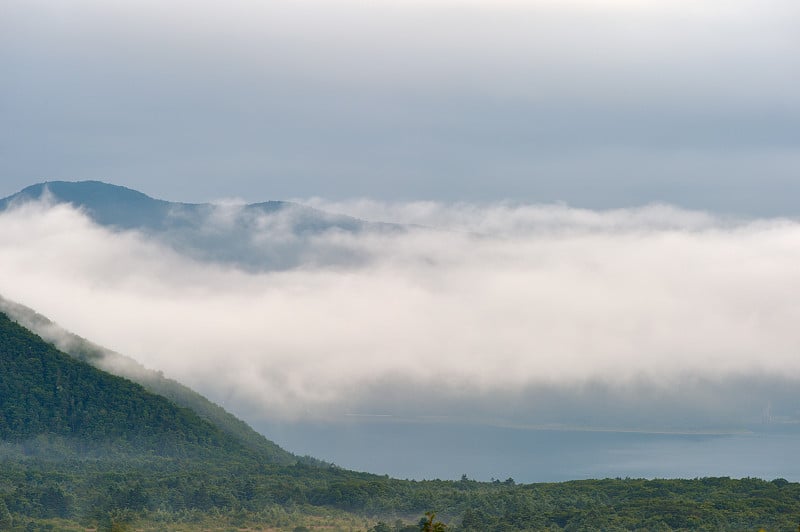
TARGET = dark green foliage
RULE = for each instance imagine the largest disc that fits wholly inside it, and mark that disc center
(219, 417)
(430, 524)
(5, 516)
(50, 401)
(94, 490)
(153, 381)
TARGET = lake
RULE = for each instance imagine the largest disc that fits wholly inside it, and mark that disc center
(445, 450)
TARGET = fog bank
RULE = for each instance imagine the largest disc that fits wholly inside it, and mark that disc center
(654, 317)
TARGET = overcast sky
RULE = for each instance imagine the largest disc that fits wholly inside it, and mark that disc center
(598, 103)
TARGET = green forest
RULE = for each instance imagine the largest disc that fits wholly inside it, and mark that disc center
(85, 449)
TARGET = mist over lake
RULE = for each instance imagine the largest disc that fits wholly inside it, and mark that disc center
(431, 450)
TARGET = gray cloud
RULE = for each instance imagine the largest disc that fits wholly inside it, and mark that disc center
(598, 103)
(655, 317)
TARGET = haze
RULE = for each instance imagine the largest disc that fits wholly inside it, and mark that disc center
(653, 318)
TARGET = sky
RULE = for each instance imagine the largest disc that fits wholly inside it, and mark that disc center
(594, 103)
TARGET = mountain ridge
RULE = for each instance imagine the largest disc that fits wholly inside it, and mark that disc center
(102, 202)
(266, 236)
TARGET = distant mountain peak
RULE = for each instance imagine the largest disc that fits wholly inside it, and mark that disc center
(81, 190)
(270, 235)
(110, 205)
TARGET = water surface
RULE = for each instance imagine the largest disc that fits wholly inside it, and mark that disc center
(446, 451)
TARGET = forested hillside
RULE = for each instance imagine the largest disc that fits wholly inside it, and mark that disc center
(47, 395)
(151, 380)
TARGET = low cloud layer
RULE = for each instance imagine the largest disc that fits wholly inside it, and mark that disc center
(652, 317)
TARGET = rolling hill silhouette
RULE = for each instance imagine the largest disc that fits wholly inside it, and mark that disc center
(272, 235)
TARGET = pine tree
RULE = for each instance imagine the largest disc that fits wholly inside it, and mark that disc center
(429, 525)
(5, 515)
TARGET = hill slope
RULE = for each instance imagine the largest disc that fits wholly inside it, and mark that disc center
(44, 392)
(152, 381)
